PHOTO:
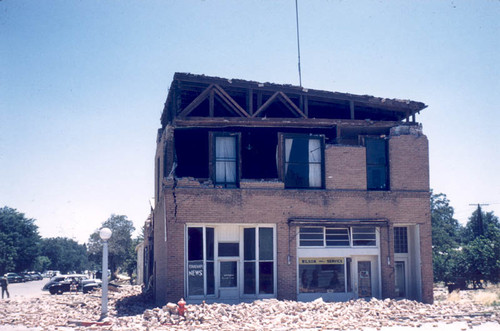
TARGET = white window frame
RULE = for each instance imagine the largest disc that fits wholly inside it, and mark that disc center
(350, 234)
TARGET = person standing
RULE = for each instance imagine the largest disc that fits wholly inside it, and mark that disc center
(4, 283)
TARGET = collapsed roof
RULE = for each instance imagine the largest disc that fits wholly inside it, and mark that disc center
(203, 100)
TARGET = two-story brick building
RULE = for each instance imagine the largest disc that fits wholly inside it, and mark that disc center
(278, 191)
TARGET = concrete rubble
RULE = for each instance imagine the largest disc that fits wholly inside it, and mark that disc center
(128, 310)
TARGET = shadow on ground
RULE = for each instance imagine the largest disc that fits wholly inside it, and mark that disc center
(133, 305)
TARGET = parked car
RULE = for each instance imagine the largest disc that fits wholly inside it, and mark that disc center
(74, 284)
(35, 275)
(26, 276)
(12, 277)
(62, 283)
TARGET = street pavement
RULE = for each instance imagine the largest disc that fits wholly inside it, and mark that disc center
(31, 289)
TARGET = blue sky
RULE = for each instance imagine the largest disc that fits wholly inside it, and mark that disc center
(82, 87)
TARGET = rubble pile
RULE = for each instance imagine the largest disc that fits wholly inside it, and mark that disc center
(275, 314)
(128, 310)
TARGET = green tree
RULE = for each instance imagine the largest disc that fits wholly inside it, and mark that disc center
(64, 254)
(120, 245)
(19, 241)
(481, 224)
(445, 239)
(42, 263)
(481, 248)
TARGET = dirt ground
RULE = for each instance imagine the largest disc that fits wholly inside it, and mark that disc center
(129, 310)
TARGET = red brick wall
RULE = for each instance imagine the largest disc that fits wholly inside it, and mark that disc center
(345, 197)
(209, 205)
(409, 162)
(346, 167)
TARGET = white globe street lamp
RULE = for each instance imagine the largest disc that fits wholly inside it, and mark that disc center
(105, 234)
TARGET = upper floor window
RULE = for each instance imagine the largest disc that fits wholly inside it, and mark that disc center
(303, 161)
(225, 159)
(400, 239)
(377, 164)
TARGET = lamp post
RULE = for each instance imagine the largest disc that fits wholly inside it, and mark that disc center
(105, 234)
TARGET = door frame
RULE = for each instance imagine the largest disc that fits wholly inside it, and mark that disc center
(405, 261)
(375, 274)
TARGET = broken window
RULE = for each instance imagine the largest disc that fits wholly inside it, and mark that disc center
(225, 158)
(303, 161)
(191, 153)
(258, 153)
(377, 165)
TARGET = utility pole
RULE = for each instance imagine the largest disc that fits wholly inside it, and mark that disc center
(480, 227)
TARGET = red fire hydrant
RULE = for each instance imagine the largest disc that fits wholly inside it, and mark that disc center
(182, 307)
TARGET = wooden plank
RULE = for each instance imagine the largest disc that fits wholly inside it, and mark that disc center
(231, 101)
(351, 108)
(306, 105)
(275, 122)
(211, 104)
(266, 104)
(290, 102)
(250, 101)
(196, 102)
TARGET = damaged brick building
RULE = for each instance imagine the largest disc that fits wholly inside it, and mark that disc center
(277, 191)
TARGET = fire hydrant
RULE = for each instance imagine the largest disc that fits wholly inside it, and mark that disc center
(182, 307)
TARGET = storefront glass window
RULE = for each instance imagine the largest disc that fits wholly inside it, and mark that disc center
(197, 265)
(322, 278)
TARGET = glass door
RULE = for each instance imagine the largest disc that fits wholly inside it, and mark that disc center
(228, 270)
(364, 279)
(365, 276)
(400, 279)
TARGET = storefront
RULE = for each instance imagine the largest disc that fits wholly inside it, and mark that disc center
(338, 262)
(230, 262)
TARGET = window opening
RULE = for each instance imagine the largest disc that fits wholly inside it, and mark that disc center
(225, 160)
(266, 263)
(229, 249)
(201, 277)
(258, 261)
(311, 236)
(364, 236)
(303, 162)
(377, 170)
(400, 239)
(337, 237)
(323, 275)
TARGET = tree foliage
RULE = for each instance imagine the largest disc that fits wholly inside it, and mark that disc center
(120, 245)
(19, 241)
(481, 248)
(471, 252)
(63, 254)
(445, 238)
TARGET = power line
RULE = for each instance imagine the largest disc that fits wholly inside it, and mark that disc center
(298, 41)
